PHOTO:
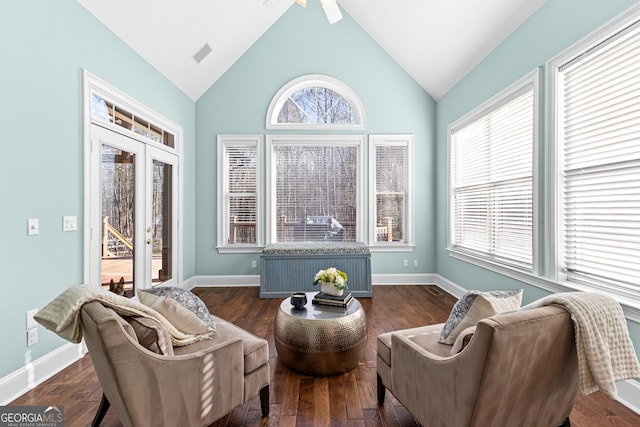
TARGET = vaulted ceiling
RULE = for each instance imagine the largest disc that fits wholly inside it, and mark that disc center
(436, 42)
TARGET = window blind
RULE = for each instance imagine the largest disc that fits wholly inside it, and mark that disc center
(600, 134)
(240, 194)
(316, 192)
(392, 176)
(492, 183)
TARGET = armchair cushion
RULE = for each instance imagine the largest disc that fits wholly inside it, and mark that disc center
(474, 306)
(255, 349)
(424, 336)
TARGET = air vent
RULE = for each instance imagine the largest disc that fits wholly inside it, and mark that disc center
(434, 290)
(202, 53)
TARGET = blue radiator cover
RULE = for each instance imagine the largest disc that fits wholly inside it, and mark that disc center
(287, 268)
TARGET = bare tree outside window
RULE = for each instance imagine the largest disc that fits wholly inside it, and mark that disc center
(316, 105)
(316, 192)
(118, 189)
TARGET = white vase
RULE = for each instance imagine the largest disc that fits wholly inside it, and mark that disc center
(330, 289)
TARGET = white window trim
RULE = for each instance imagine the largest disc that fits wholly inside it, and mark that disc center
(405, 140)
(93, 84)
(313, 80)
(531, 79)
(319, 140)
(554, 161)
(247, 141)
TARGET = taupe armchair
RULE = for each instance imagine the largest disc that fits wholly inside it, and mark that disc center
(518, 369)
(192, 385)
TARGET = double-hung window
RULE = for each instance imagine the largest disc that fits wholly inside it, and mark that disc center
(595, 152)
(492, 153)
(391, 195)
(239, 166)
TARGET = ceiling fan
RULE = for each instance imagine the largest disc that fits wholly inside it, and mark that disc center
(330, 7)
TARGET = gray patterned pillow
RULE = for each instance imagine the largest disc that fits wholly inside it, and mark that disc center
(474, 306)
(187, 299)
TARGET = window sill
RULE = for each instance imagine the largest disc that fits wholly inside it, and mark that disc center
(391, 248)
(630, 306)
(244, 249)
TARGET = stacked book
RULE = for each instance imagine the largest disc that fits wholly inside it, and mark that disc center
(332, 300)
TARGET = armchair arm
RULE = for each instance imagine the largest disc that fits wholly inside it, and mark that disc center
(435, 387)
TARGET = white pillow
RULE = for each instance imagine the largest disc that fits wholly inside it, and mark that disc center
(182, 318)
(474, 306)
(186, 298)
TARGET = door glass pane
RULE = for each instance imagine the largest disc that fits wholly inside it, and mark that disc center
(118, 214)
(161, 220)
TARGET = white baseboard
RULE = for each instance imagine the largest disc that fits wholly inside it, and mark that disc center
(419, 279)
(254, 280)
(452, 288)
(377, 279)
(403, 279)
(220, 281)
(629, 394)
(33, 373)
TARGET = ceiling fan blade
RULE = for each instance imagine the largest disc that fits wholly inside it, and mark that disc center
(332, 10)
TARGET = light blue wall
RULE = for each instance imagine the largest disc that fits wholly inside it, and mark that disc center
(303, 42)
(44, 45)
(555, 27)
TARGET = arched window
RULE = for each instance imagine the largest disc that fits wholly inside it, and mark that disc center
(315, 102)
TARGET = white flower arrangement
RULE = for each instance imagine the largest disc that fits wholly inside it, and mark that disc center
(332, 275)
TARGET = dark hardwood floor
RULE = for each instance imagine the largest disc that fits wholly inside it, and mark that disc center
(299, 400)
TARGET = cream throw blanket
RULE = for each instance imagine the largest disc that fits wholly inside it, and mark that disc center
(604, 348)
(62, 315)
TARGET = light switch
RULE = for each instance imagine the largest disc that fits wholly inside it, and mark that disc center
(33, 226)
(69, 223)
(31, 322)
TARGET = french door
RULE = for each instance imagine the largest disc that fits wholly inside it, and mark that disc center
(133, 213)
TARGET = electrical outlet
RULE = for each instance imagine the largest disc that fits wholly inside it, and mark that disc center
(254, 264)
(415, 263)
(405, 263)
(32, 337)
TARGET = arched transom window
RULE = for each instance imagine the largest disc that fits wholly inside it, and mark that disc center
(315, 102)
